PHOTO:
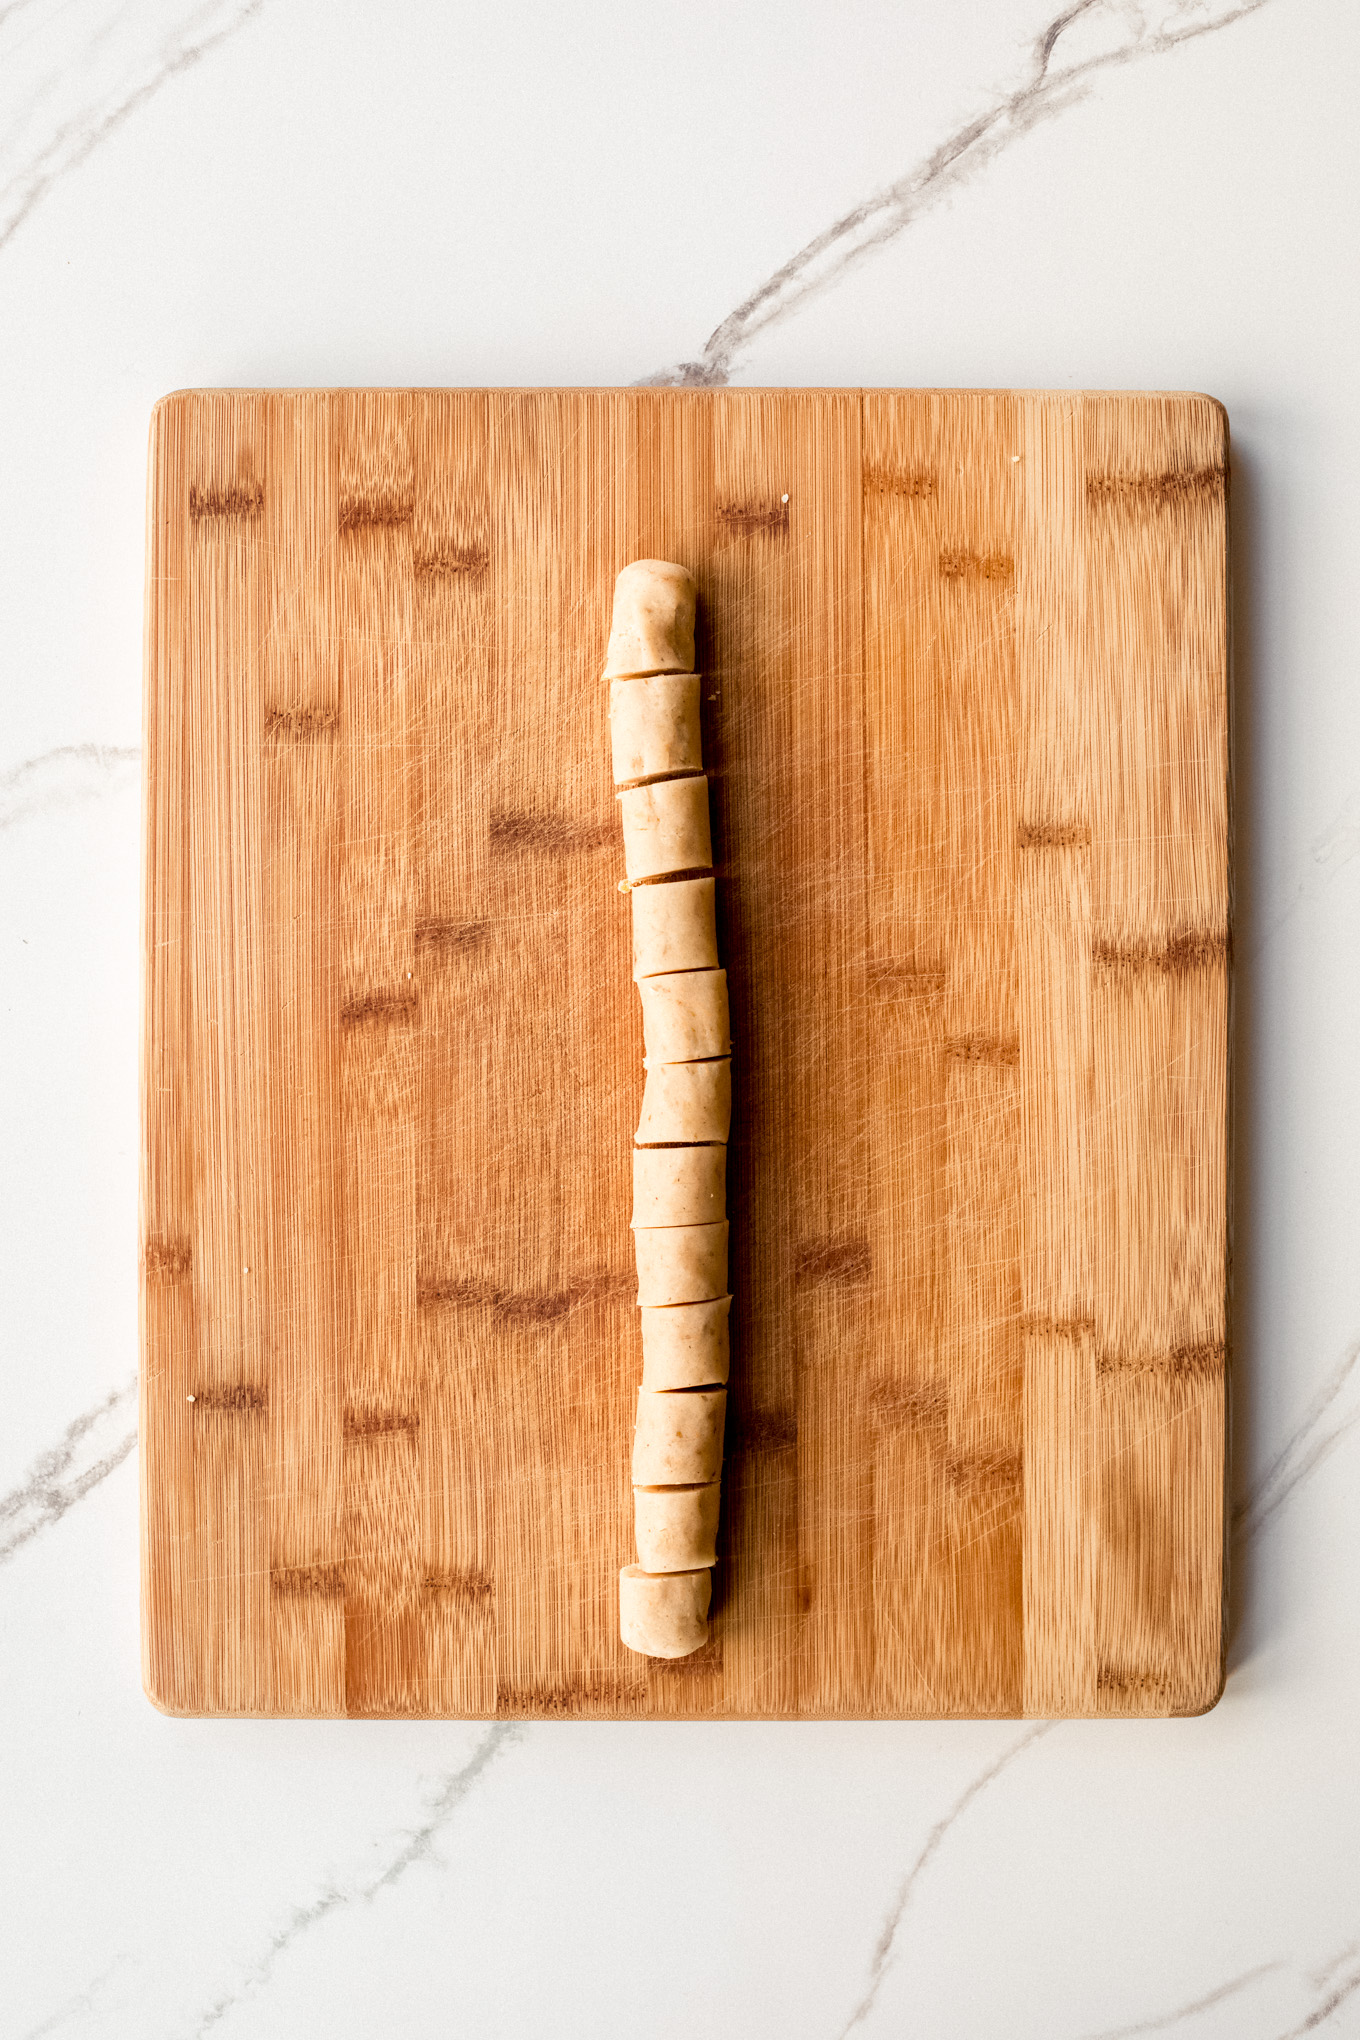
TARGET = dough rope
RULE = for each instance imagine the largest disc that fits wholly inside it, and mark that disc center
(679, 1218)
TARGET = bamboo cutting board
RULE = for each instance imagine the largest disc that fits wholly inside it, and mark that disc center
(966, 726)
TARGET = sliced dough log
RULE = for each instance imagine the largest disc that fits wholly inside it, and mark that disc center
(654, 727)
(681, 1263)
(653, 623)
(689, 1101)
(676, 1528)
(678, 1438)
(674, 927)
(679, 1186)
(664, 1614)
(684, 1015)
(686, 1346)
(665, 828)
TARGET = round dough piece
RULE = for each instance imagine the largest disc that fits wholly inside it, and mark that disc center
(679, 1185)
(652, 630)
(684, 1016)
(678, 1438)
(686, 1101)
(664, 1614)
(654, 727)
(681, 1263)
(686, 1345)
(676, 1528)
(665, 828)
(674, 927)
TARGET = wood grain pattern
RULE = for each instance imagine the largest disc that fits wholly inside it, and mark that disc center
(966, 728)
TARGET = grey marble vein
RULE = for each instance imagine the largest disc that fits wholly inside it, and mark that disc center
(1325, 2008)
(80, 2006)
(1328, 1419)
(1048, 89)
(86, 1453)
(883, 1947)
(57, 108)
(1163, 2021)
(418, 1846)
(64, 778)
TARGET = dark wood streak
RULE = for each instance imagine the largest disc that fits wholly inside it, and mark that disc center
(236, 1399)
(471, 1588)
(522, 1306)
(451, 937)
(764, 1430)
(372, 1423)
(984, 1472)
(922, 1404)
(1037, 1325)
(380, 511)
(515, 829)
(891, 979)
(754, 520)
(703, 1663)
(361, 1007)
(451, 563)
(996, 1051)
(558, 1702)
(302, 720)
(167, 1260)
(914, 485)
(958, 564)
(1053, 835)
(324, 1582)
(1201, 1360)
(844, 1260)
(228, 499)
(1158, 491)
(1187, 949)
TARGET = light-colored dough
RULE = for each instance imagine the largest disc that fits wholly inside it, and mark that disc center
(686, 1346)
(678, 1438)
(674, 927)
(653, 623)
(679, 1186)
(665, 828)
(686, 1101)
(664, 1614)
(654, 727)
(681, 1263)
(676, 1528)
(684, 1016)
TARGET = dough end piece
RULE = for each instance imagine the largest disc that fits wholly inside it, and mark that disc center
(664, 1615)
(653, 623)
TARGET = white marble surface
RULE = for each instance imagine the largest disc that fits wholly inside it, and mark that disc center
(197, 192)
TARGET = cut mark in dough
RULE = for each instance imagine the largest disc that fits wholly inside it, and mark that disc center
(685, 1345)
(681, 1263)
(678, 1437)
(674, 928)
(686, 1102)
(679, 1186)
(654, 728)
